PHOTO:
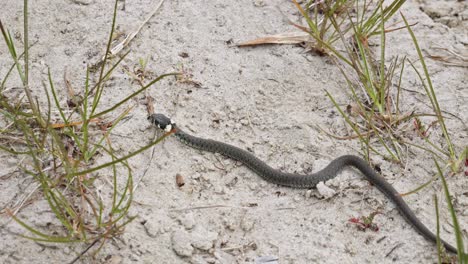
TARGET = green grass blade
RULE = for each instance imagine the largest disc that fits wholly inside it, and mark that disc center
(98, 94)
(45, 237)
(439, 243)
(456, 226)
(26, 44)
(121, 159)
(133, 95)
(431, 92)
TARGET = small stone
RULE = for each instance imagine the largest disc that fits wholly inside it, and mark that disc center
(325, 191)
(181, 243)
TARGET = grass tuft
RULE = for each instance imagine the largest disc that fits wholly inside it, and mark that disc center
(58, 146)
(374, 83)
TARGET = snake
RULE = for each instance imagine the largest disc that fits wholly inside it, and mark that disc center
(298, 180)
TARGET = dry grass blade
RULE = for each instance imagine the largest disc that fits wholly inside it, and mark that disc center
(452, 57)
(282, 38)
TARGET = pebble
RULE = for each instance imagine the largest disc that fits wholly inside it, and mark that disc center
(181, 243)
(325, 191)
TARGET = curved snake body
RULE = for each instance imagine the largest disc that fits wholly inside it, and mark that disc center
(297, 180)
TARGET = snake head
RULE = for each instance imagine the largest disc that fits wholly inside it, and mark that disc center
(161, 121)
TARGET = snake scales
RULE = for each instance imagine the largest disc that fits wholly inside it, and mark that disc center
(297, 180)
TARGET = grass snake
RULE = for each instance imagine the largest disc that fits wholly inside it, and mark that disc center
(298, 180)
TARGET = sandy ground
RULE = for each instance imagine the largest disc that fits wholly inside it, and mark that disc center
(267, 99)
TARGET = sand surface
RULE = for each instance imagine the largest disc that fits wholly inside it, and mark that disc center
(268, 99)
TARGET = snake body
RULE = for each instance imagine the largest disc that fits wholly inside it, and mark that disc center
(297, 180)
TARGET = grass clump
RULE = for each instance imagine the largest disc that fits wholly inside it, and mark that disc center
(58, 145)
(374, 81)
(375, 85)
